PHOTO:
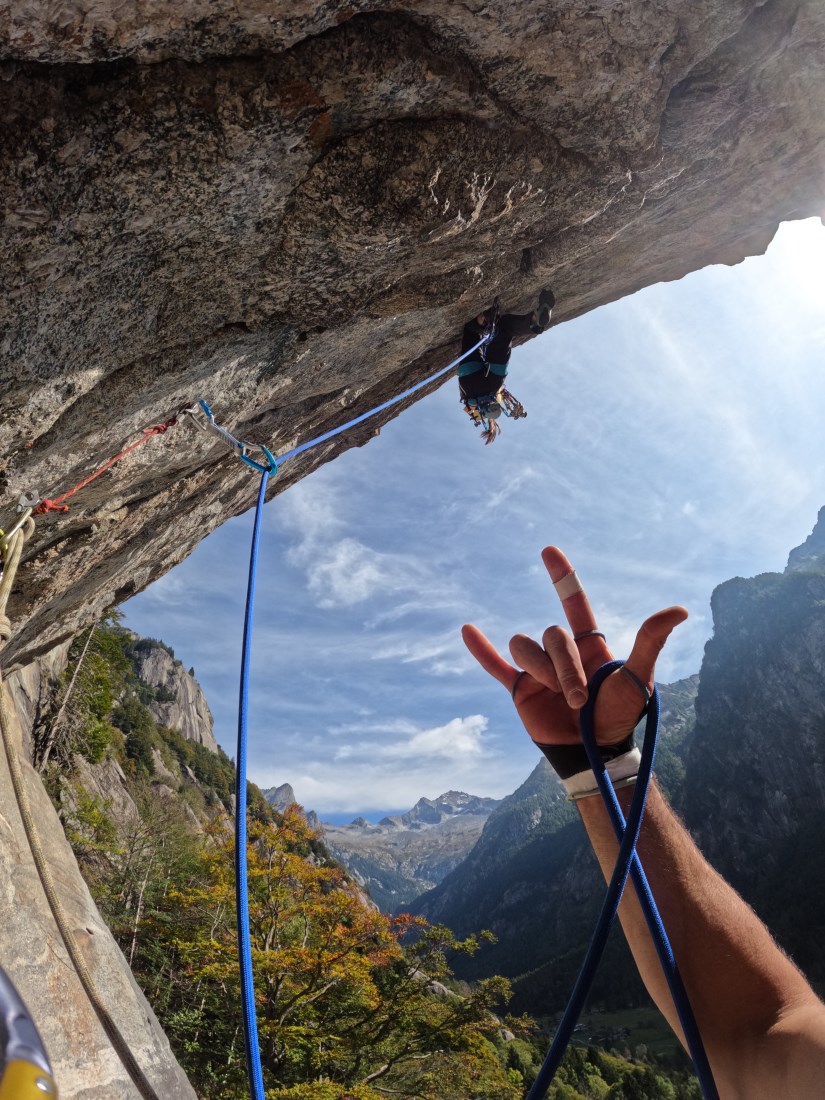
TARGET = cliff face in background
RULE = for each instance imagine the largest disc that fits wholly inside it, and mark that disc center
(179, 702)
(290, 213)
(755, 783)
(533, 881)
(746, 770)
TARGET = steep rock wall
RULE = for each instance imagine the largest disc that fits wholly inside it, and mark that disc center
(755, 785)
(182, 705)
(33, 953)
(289, 210)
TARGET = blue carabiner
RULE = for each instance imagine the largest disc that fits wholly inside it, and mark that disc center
(271, 469)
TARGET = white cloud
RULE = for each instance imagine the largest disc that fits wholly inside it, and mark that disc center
(343, 571)
(457, 739)
(398, 739)
(444, 655)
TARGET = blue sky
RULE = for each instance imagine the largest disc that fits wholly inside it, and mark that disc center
(673, 440)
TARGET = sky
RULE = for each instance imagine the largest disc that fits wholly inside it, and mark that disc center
(673, 440)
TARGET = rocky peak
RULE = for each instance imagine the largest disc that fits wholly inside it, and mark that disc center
(407, 853)
(433, 811)
(280, 797)
(810, 556)
(179, 702)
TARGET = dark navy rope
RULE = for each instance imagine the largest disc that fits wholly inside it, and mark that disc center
(627, 853)
(654, 922)
(627, 860)
(380, 408)
(250, 1022)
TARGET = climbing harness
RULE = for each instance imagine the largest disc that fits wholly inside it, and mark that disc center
(627, 862)
(491, 327)
(25, 1069)
(484, 411)
(12, 549)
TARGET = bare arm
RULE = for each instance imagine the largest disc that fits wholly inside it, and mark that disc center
(762, 1025)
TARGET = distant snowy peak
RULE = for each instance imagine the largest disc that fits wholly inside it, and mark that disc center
(406, 854)
(429, 812)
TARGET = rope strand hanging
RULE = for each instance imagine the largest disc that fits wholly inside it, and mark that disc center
(12, 552)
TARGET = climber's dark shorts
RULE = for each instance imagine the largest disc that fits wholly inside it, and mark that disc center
(480, 383)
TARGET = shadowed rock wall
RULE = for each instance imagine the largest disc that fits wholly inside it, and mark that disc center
(290, 209)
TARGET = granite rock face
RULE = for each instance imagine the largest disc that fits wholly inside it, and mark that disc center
(180, 703)
(755, 792)
(810, 556)
(33, 953)
(280, 797)
(290, 209)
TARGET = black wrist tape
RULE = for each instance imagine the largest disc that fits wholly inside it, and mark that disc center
(567, 760)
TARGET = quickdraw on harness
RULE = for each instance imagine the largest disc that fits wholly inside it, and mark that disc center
(485, 411)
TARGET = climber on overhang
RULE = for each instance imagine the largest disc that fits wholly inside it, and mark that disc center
(481, 377)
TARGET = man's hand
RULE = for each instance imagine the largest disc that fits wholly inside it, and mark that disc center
(553, 685)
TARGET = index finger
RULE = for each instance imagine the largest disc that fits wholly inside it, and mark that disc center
(576, 606)
(489, 657)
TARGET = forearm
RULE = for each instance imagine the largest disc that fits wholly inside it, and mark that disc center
(747, 996)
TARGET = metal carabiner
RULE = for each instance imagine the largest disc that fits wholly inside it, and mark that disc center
(25, 505)
(271, 468)
(239, 446)
(25, 1070)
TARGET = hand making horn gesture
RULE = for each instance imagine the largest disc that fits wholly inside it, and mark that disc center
(552, 687)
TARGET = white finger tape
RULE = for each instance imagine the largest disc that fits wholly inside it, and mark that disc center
(568, 586)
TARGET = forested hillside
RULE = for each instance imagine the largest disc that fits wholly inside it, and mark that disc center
(353, 1004)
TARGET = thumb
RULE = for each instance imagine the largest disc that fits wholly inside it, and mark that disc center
(653, 634)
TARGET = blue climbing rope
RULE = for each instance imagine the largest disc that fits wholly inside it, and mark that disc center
(242, 449)
(627, 862)
(385, 405)
(250, 1020)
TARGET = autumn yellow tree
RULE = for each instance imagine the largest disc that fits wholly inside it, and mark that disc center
(348, 999)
